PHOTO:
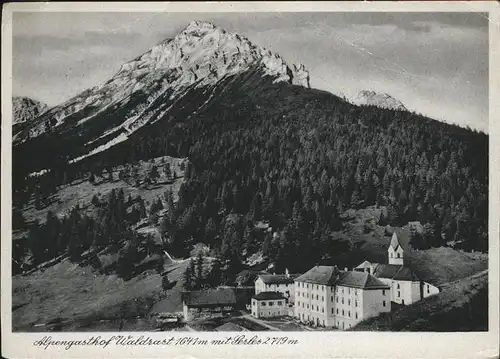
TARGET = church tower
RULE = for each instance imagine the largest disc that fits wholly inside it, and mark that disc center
(395, 251)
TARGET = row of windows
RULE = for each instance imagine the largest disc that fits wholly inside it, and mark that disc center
(279, 302)
(348, 301)
(306, 306)
(306, 295)
(322, 287)
(313, 286)
(348, 313)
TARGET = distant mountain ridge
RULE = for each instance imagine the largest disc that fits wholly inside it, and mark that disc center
(382, 100)
(25, 109)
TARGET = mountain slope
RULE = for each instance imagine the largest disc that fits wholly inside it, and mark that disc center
(25, 109)
(146, 89)
(383, 100)
(260, 146)
(460, 306)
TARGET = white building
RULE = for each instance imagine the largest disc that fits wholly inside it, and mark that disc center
(406, 287)
(280, 283)
(325, 296)
(269, 304)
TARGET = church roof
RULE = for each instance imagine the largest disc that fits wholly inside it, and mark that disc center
(395, 241)
(394, 271)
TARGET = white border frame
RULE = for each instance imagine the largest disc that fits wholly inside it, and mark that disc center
(312, 344)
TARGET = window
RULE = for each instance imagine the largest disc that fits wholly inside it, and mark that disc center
(263, 304)
(398, 255)
(342, 290)
(307, 285)
(342, 311)
(317, 287)
(349, 290)
(322, 298)
(317, 308)
(271, 304)
(391, 255)
(355, 303)
(342, 300)
(317, 296)
(307, 295)
(349, 314)
(332, 310)
(332, 298)
(337, 310)
(356, 315)
(308, 306)
(302, 305)
(337, 299)
(383, 291)
(348, 302)
(383, 303)
(279, 302)
(399, 293)
(398, 285)
(322, 309)
(428, 289)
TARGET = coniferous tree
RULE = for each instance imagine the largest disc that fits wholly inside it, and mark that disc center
(189, 276)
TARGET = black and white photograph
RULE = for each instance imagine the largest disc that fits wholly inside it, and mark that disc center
(250, 171)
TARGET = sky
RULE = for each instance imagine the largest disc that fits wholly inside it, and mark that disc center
(436, 64)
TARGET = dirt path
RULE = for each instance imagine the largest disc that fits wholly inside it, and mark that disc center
(255, 320)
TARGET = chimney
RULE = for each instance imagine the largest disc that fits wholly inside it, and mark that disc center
(345, 269)
(287, 274)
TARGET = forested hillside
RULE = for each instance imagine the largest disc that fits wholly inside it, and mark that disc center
(297, 157)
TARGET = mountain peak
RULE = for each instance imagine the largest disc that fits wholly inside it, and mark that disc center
(200, 57)
(383, 100)
(197, 26)
(25, 109)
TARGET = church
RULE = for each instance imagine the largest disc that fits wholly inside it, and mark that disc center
(406, 287)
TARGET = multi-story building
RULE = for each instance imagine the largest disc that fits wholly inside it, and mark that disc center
(269, 304)
(281, 283)
(406, 287)
(328, 297)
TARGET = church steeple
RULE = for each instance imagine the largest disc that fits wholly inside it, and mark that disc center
(395, 251)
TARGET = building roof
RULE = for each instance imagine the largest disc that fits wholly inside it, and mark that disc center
(330, 276)
(394, 271)
(230, 327)
(278, 278)
(361, 280)
(268, 296)
(395, 242)
(209, 297)
(324, 275)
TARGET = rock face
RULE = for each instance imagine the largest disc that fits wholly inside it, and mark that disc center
(382, 100)
(200, 56)
(25, 109)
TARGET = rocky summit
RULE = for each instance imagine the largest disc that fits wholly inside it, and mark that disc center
(199, 56)
(382, 100)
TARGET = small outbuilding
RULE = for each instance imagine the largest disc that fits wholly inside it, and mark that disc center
(208, 303)
(269, 304)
